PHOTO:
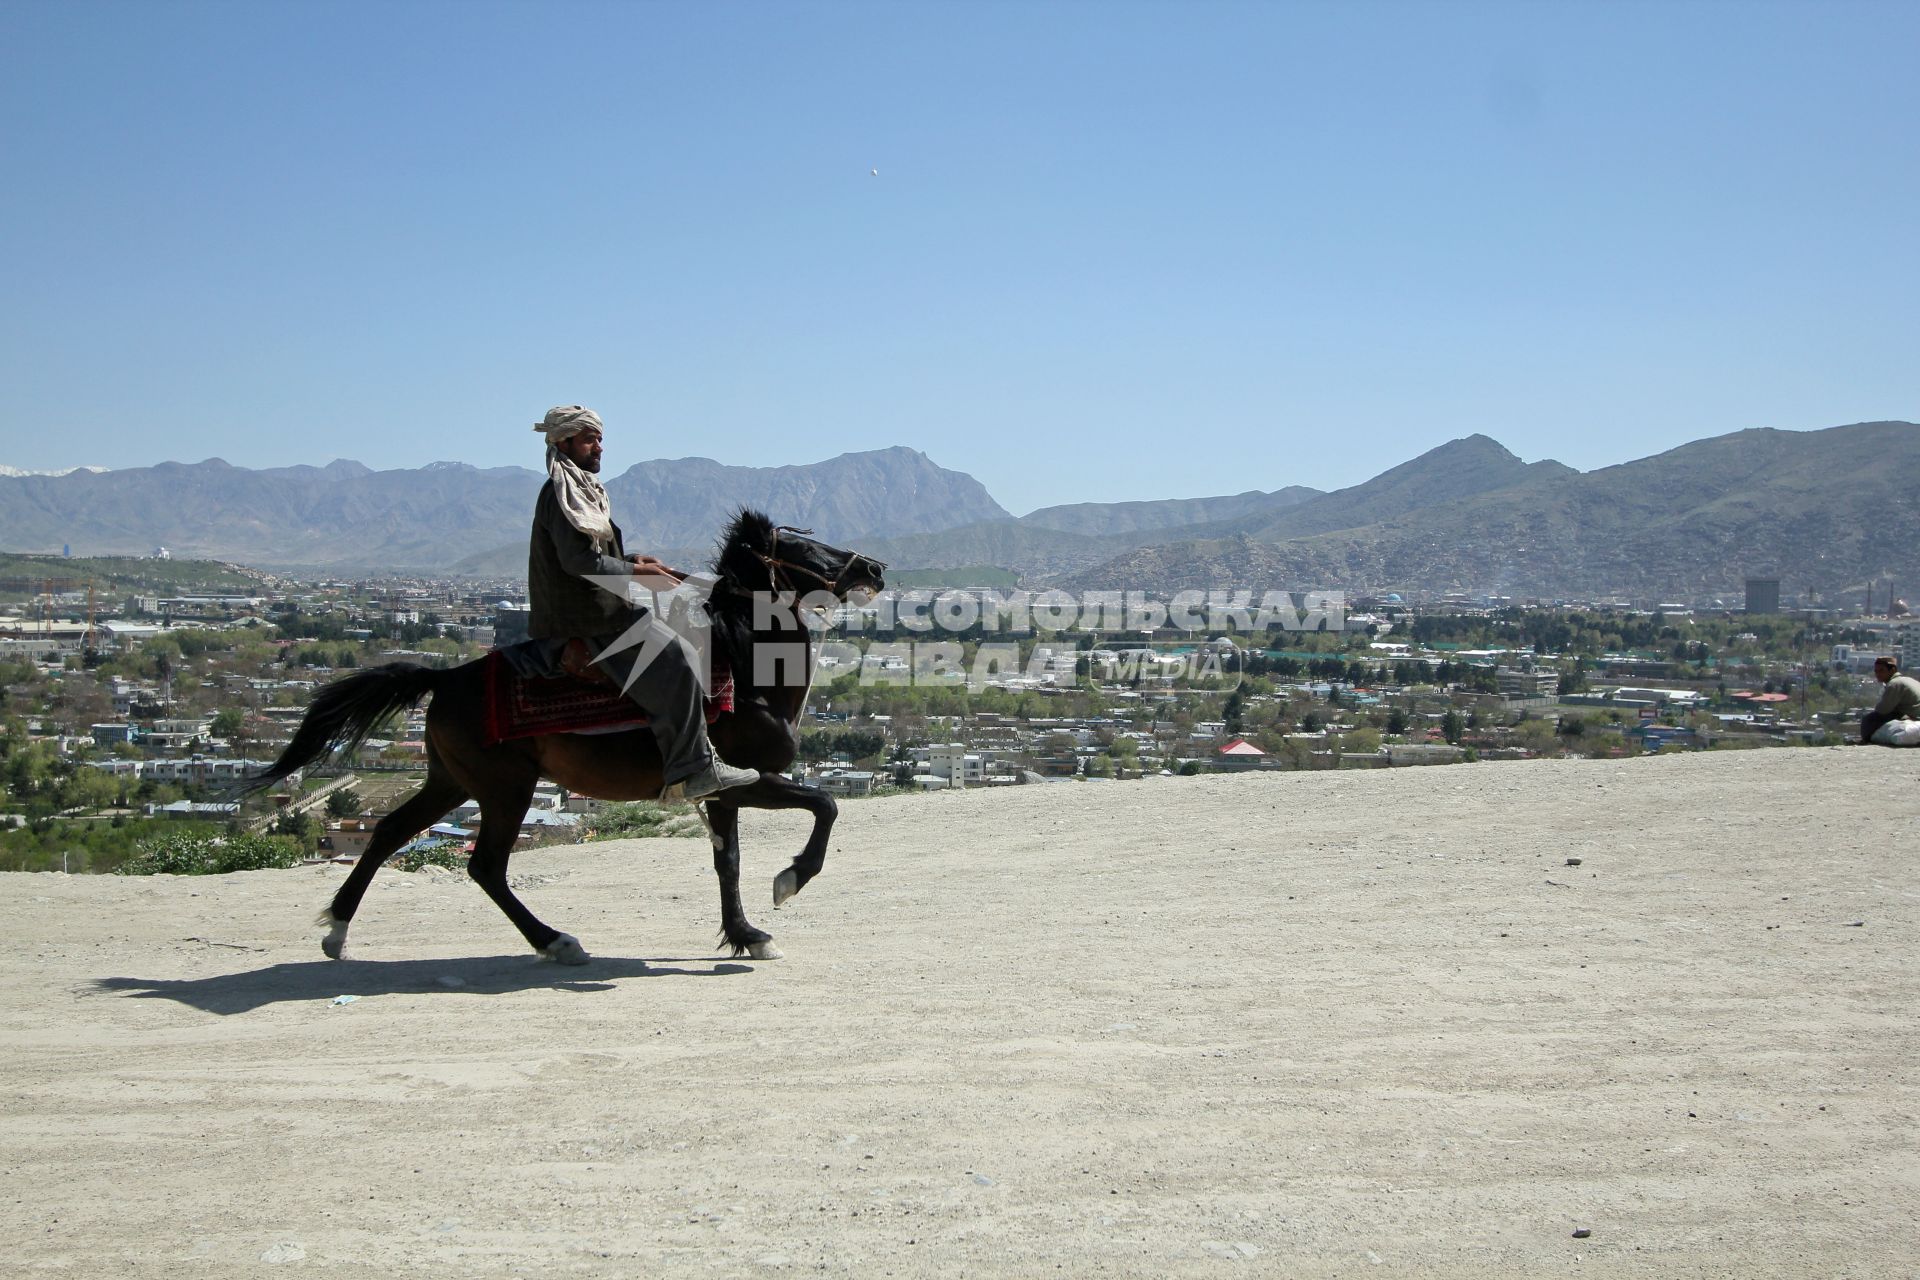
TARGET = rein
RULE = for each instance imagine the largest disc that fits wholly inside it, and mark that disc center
(780, 573)
(779, 570)
(771, 559)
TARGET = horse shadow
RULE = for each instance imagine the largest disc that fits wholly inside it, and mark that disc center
(328, 980)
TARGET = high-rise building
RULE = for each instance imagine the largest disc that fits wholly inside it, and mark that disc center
(1763, 595)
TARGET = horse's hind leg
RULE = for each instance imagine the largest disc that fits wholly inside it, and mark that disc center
(500, 817)
(434, 798)
(723, 824)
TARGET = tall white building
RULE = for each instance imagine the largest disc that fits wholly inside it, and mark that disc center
(949, 760)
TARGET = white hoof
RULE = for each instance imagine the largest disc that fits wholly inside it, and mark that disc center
(785, 885)
(763, 951)
(335, 943)
(566, 949)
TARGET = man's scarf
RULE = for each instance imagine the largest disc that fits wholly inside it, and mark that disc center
(582, 498)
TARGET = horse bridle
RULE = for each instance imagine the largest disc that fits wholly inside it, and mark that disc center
(771, 559)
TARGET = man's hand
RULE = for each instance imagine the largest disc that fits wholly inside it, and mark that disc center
(656, 575)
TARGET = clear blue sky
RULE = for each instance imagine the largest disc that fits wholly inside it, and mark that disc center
(1112, 251)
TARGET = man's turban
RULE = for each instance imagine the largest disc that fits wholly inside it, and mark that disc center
(565, 420)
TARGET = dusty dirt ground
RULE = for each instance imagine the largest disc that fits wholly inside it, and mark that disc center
(1295, 1024)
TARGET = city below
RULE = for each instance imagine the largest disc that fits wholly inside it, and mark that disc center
(138, 691)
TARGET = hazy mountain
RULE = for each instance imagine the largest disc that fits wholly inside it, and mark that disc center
(1825, 510)
(340, 513)
(1097, 518)
(429, 518)
(1458, 469)
(16, 471)
(855, 497)
(1062, 542)
(1007, 543)
(1822, 509)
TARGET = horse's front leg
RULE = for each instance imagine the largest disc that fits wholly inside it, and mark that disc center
(777, 791)
(723, 824)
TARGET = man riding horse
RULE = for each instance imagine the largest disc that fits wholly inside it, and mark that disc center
(575, 541)
(754, 611)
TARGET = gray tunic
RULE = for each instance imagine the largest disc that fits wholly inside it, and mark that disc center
(562, 603)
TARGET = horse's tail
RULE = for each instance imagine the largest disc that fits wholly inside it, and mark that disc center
(344, 713)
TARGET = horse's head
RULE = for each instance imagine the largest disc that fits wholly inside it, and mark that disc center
(758, 555)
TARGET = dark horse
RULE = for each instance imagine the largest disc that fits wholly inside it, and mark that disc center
(765, 572)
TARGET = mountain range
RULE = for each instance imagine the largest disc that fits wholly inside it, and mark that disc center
(1824, 510)
(449, 517)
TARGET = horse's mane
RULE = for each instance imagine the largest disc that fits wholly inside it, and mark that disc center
(747, 536)
(737, 564)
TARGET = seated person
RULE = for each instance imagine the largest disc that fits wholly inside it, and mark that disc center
(574, 541)
(1895, 721)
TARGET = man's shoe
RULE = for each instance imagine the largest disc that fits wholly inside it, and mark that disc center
(717, 776)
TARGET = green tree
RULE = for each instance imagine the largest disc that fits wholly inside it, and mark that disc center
(1360, 741)
(302, 826)
(343, 802)
(859, 744)
(87, 788)
(1538, 736)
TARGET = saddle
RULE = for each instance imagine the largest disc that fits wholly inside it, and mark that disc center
(586, 700)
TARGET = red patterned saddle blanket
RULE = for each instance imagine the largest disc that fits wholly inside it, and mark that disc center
(523, 707)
